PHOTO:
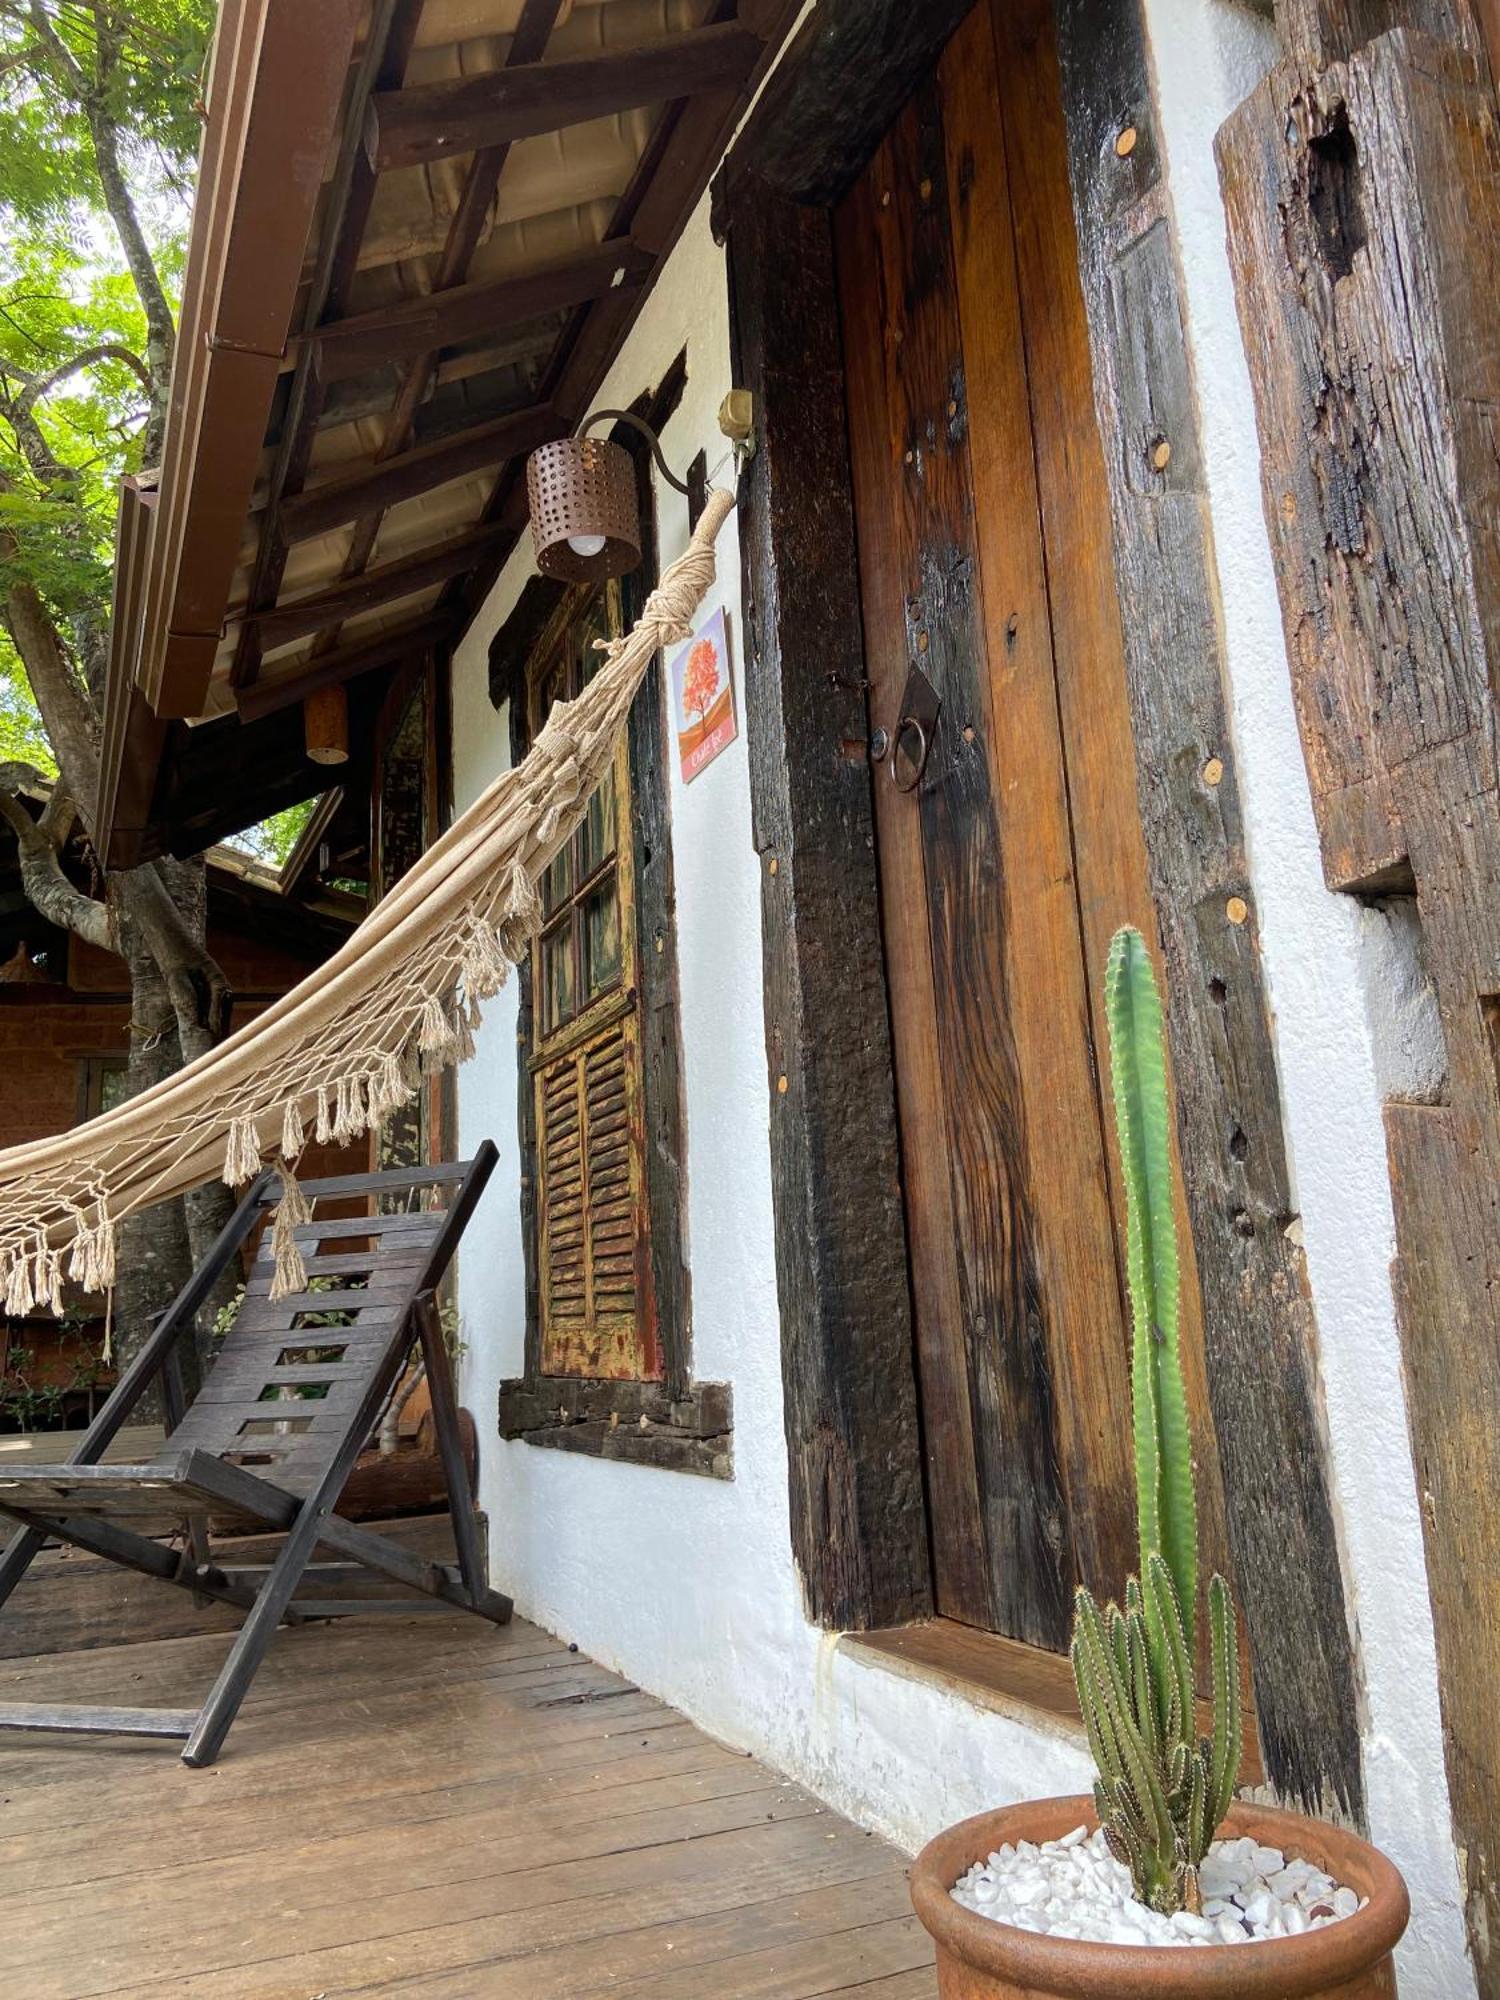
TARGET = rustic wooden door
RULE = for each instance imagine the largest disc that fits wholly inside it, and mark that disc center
(1009, 842)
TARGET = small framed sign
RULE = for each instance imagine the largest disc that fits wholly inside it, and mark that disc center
(703, 697)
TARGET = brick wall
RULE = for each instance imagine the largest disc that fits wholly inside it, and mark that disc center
(42, 1047)
(48, 1032)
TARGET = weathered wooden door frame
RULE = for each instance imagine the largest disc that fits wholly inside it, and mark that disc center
(852, 1418)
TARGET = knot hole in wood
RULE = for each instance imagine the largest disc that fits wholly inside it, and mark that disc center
(1333, 194)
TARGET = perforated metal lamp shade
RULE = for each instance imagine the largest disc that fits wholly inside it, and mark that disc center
(582, 490)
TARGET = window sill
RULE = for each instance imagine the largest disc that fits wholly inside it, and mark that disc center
(998, 1674)
(636, 1423)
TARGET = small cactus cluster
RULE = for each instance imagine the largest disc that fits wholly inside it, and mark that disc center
(1162, 1790)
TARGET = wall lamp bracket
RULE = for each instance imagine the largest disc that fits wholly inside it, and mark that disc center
(585, 520)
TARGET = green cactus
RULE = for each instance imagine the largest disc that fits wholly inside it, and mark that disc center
(1162, 1790)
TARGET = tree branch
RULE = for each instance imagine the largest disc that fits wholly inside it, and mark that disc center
(91, 94)
(59, 815)
(161, 329)
(39, 386)
(18, 59)
(56, 47)
(42, 876)
(67, 716)
(46, 468)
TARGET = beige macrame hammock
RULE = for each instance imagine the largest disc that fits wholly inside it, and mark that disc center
(350, 1044)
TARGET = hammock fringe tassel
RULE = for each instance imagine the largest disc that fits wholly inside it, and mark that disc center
(352, 1043)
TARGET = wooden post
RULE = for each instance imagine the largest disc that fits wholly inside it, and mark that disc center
(1315, 33)
(858, 1517)
(1362, 188)
(1259, 1334)
(325, 722)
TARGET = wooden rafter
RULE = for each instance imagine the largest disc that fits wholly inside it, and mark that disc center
(406, 128)
(343, 663)
(370, 488)
(538, 18)
(419, 326)
(339, 361)
(280, 624)
(671, 174)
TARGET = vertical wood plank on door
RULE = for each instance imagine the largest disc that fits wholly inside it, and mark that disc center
(1093, 695)
(964, 1126)
(961, 1569)
(1046, 984)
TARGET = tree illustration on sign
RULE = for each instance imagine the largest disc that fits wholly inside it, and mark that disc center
(703, 697)
(700, 683)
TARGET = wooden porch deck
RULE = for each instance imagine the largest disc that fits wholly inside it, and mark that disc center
(426, 1806)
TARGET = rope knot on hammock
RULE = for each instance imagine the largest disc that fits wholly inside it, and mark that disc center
(351, 1043)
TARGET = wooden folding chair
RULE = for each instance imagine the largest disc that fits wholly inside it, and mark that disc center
(272, 1437)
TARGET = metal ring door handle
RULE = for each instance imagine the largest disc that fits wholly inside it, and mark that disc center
(918, 764)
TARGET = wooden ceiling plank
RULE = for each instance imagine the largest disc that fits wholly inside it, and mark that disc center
(407, 128)
(372, 487)
(280, 624)
(343, 663)
(418, 326)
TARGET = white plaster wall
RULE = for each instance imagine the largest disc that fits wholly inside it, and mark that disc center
(687, 1585)
(1349, 1026)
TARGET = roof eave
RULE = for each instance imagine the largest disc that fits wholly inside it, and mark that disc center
(279, 73)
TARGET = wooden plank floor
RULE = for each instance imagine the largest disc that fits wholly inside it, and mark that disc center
(425, 1806)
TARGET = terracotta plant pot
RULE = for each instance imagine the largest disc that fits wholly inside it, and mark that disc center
(979, 1959)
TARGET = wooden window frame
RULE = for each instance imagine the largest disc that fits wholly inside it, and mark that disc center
(673, 1422)
(92, 1072)
(617, 865)
(601, 1021)
(851, 1410)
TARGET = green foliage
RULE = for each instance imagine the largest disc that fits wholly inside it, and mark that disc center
(141, 64)
(22, 738)
(1162, 1790)
(36, 1399)
(75, 353)
(274, 838)
(62, 454)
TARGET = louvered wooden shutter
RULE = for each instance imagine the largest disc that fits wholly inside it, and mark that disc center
(595, 1262)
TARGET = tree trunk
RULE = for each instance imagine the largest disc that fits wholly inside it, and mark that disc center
(155, 1258)
(160, 1246)
(209, 1207)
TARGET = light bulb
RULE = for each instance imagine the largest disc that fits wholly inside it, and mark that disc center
(586, 545)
